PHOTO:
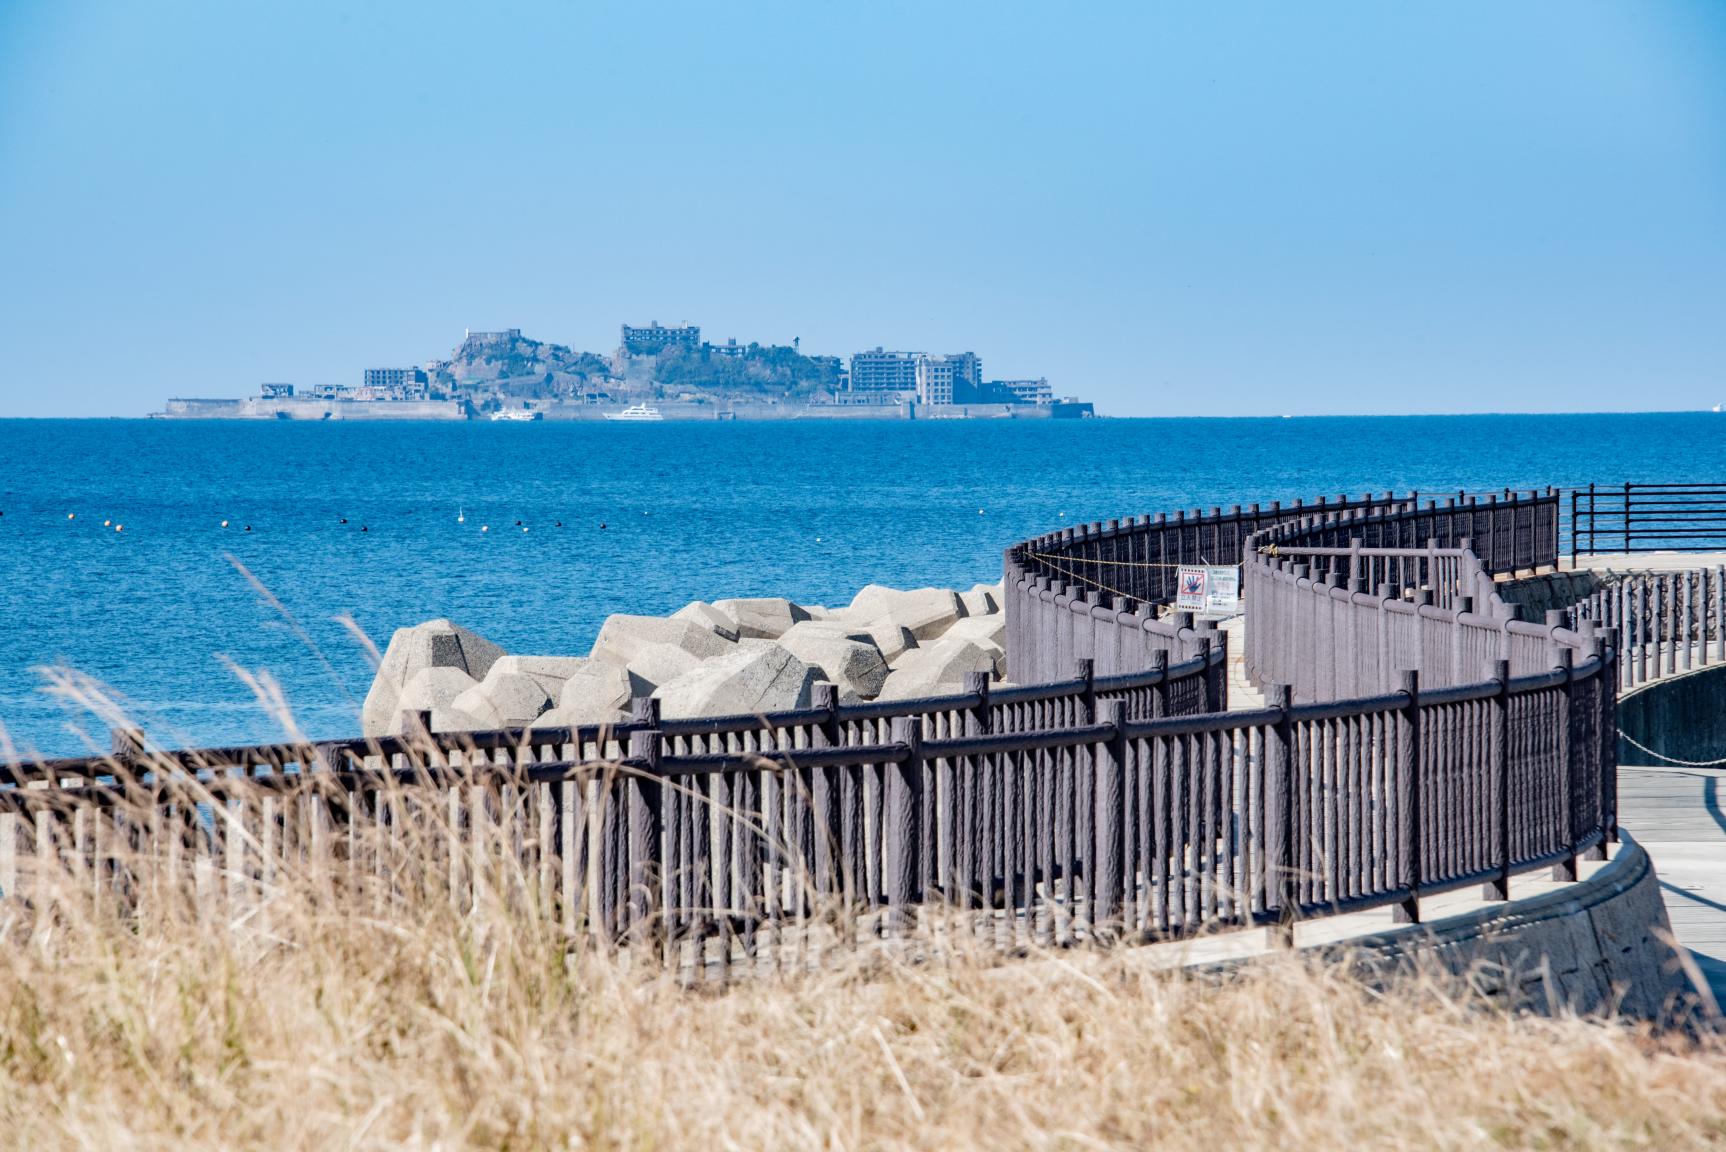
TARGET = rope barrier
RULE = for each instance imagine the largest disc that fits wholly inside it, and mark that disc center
(1046, 556)
(1633, 742)
(1086, 579)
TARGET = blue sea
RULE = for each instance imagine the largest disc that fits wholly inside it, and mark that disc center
(114, 561)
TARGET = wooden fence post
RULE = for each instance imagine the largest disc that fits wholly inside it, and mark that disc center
(1498, 835)
(1408, 809)
(646, 833)
(1109, 795)
(1160, 690)
(902, 835)
(981, 847)
(1562, 657)
(1085, 669)
(1279, 815)
(824, 791)
(1607, 649)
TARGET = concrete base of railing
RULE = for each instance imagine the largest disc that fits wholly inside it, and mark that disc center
(1601, 944)
(1677, 721)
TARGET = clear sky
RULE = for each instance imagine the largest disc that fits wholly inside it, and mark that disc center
(1169, 209)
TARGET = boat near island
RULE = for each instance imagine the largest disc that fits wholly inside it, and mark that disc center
(517, 414)
(636, 412)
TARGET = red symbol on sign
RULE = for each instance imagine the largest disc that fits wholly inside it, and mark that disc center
(1193, 584)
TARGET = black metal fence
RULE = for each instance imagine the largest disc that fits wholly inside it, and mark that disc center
(1647, 518)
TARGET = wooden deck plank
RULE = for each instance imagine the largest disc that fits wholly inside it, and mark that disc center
(1676, 815)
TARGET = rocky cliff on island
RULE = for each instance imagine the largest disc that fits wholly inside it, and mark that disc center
(706, 659)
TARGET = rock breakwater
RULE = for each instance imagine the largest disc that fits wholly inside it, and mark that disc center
(760, 654)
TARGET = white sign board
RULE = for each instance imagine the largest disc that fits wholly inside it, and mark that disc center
(1211, 590)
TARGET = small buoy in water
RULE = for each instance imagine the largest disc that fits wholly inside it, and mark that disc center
(485, 527)
(554, 523)
(524, 527)
(224, 523)
(518, 523)
(117, 527)
(105, 523)
(979, 511)
(817, 539)
(248, 527)
(71, 515)
(363, 528)
(602, 525)
(344, 519)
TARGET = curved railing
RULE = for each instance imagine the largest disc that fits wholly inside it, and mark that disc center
(1416, 738)
(1190, 686)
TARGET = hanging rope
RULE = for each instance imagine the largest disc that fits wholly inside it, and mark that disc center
(1113, 563)
(1628, 739)
(1055, 562)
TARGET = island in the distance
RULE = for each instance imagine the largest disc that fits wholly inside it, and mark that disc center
(657, 373)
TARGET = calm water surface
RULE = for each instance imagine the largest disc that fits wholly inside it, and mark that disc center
(651, 516)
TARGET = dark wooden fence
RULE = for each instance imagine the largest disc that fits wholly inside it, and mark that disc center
(1098, 807)
(1097, 588)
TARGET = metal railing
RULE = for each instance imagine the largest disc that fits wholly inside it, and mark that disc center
(1634, 518)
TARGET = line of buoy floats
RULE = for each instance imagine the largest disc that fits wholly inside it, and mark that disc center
(461, 518)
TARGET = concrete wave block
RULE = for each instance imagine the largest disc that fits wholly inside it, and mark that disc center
(927, 612)
(433, 644)
(992, 628)
(548, 671)
(936, 669)
(621, 637)
(997, 653)
(504, 699)
(889, 639)
(598, 693)
(762, 617)
(657, 664)
(701, 612)
(981, 600)
(434, 690)
(854, 665)
(754, 679)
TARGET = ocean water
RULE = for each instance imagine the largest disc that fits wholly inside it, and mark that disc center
(533, 533)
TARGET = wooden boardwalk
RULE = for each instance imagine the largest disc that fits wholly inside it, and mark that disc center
(1676, 815)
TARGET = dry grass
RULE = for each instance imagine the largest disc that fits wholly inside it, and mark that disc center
(327, 1009)
(323, 1017)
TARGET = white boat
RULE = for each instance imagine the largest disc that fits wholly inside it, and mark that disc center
(636, 412)
(514, 414)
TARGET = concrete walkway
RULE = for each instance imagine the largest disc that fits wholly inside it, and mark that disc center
(1641, 561)
(1244, 695)
(1676, 814)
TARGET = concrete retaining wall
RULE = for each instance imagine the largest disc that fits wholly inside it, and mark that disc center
(1592, 946)
(1681, 718)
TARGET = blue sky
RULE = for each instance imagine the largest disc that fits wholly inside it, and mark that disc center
(1194, 209)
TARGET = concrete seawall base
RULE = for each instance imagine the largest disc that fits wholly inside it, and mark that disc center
(1601, 944)
(1678, 719)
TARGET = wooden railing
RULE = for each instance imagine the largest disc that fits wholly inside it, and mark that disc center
(1456, 749)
